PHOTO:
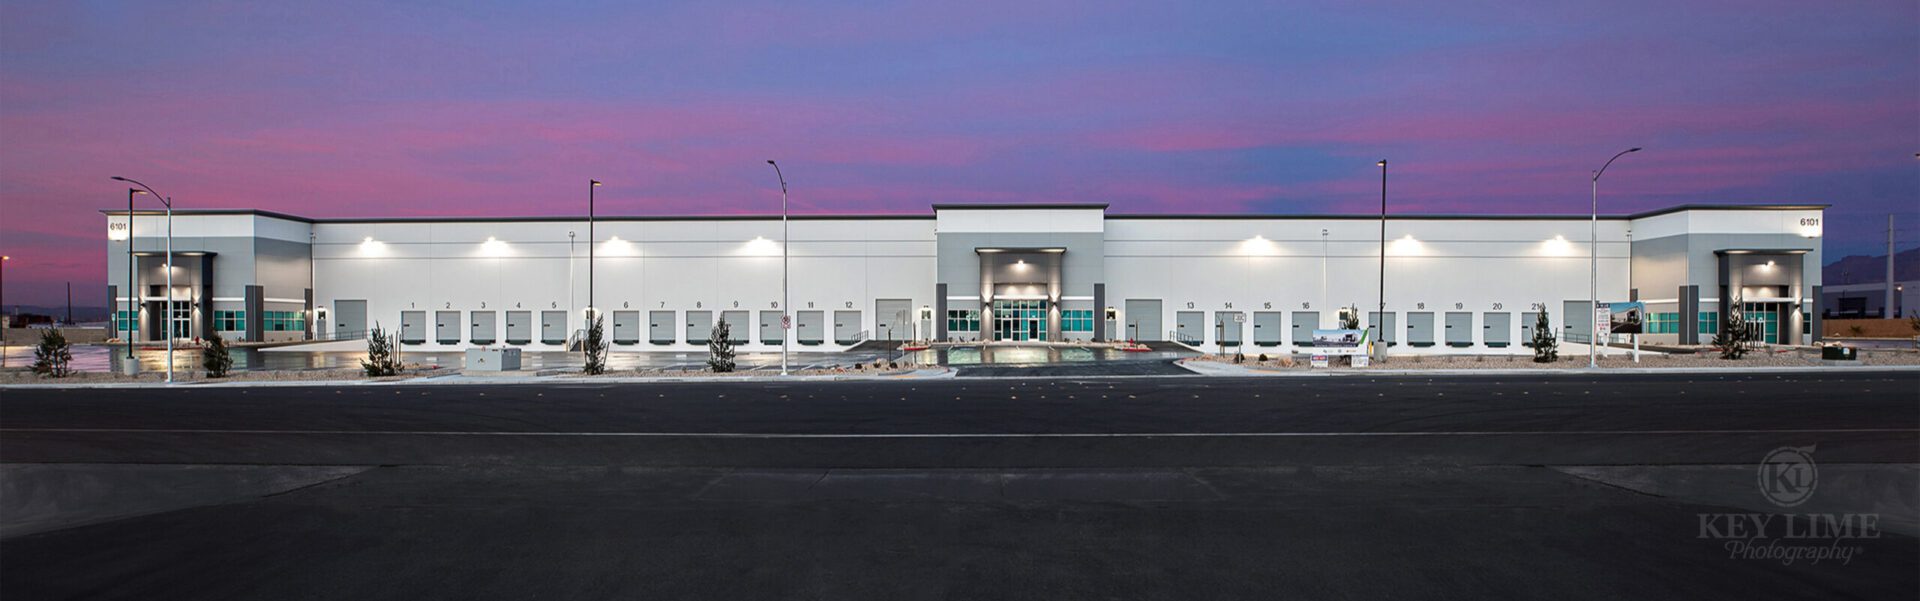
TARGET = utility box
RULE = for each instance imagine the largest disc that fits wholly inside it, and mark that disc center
(1839, 353)
(493, 359)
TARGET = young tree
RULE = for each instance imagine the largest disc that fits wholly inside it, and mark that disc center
(1734, 339)
(595, 347)
(1350, 318)
(215, 358)
(380, 359)
(1546, 346)
(720, 347)
(52, 357)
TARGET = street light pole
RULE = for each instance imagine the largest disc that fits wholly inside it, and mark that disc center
(1593, 265)
(1382, 326)
(591, 185)
(133, 299)
(167, 321)
(786, 298)
(4, 323)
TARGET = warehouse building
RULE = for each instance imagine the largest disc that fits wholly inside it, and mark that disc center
(1009, 272)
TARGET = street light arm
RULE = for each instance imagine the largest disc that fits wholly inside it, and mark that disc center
(777, 173)
(156, 195)
(1603, 168)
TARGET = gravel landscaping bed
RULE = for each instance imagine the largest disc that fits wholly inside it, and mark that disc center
(11, 376)
(1788, 358)
(695, 373)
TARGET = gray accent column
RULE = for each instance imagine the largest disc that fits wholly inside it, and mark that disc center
(1813, 315)
(206, 296)
(254, 306)
(307, 316)
(1099, 312)
(1689, 315)
(113, 311)
(1633, 295)
(939, 311)
(1054, 291)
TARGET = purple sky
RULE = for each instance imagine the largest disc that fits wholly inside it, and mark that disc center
(335, 109)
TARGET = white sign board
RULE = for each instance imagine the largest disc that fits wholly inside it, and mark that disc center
(1602, 321)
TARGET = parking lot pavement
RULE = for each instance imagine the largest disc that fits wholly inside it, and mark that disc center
(1566, 487)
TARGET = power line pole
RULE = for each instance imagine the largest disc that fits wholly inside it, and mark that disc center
(1887, 312)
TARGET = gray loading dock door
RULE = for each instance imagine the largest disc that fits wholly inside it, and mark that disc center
(1190, 327)
(737, 326)
(349, 319)
(485, 327)
(660, 327)
(1304, 323)
(1497, 329)
(553, 327)
(1142, 320)
(1420, 328)
(846, 327)
(446, 327)
(810, 327)
(413, 327)
(519, 327)
(893, 319)
(626, 327)
(1381, 327)
(1227, 329)
(1266, 328)
(1527, 318)
(699, 327)
(1459, 329)
(770, 328)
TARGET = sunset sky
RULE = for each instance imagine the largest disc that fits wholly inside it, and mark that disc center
(340, 109)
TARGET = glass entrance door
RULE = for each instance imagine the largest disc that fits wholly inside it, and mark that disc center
(182, 319)
(1020, 320)
(1764, 319)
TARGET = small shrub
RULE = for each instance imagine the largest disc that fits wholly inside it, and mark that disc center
(1856, 330)
(720, 347)
(1350, 318)
(1734, 339)
(893, 365)
(1263, 357)
(1546, 346)
(595, 347)
(380, 360)
(53, 356)
(215, 359)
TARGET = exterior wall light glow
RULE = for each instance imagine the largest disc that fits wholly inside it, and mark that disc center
(1559, 246)
(493, 247)
(1406, 245)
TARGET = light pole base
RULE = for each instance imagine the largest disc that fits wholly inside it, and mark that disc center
(128, 367)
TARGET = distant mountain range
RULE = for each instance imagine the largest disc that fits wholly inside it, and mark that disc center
(1861, 269)
(80, 314)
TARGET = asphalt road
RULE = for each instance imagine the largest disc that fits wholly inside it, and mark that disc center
(1561, 486)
